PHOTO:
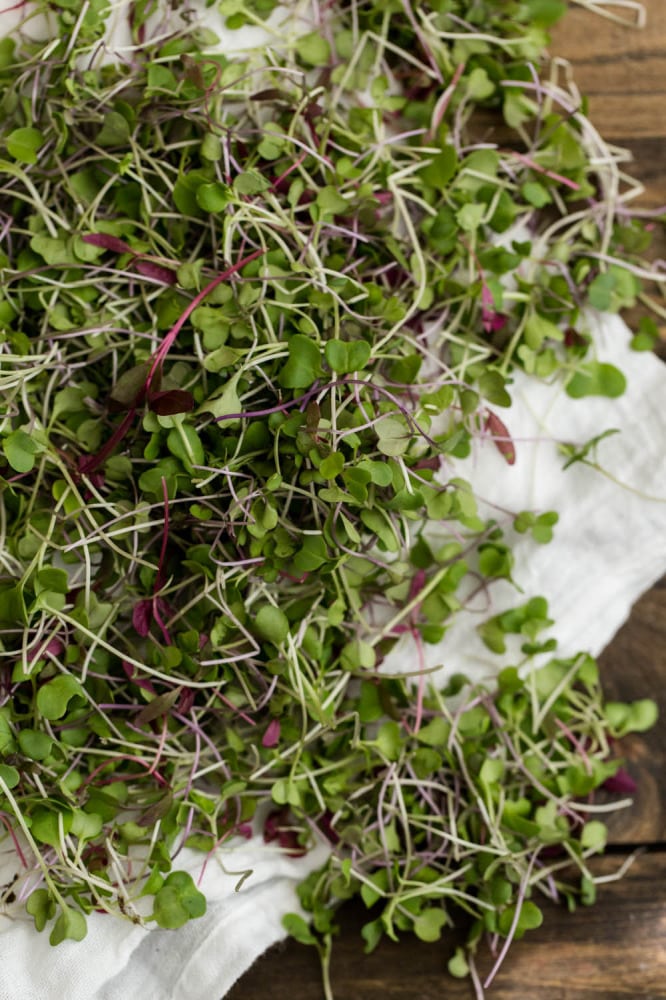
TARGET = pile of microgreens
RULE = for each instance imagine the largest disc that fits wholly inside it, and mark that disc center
(252, 307)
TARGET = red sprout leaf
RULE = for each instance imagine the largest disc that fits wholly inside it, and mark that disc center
(186, 701)
(54, 646)
(271, 737)
(326, 827)
(143, 265)
(275, 828)
(501, 437)
(491, 320)
(150, 269)
(131, 673)
(107, 242)
(620, 783)
(142, 617)
(171, 401)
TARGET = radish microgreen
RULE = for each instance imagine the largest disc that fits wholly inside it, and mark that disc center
(257, 310)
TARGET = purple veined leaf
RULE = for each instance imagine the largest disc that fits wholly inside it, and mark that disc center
(54, 647)
(149, 269)
(244, 830)
(493, 321)
(142, 616)
(501, 437)
(276, 828)
(107, 242)
(186, 701)
(620, 783)
(131, 673)
(171, 401)
(144, 266)
(271, 737)
(326, 827)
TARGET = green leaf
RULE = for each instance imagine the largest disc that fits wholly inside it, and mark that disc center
(372, 933)
(539, 329)
(313, 49)
(357, 655)
(389, 740)
(330, 203)
(53, 698)
(115, 131)
(596, 378)
(250, 182)
(530, 918)
(223, 357)
(594, 835)
(178, 901)
(54, 250)
(70, 925)
(184, 442)
(479, 84)
(24, 143)
(394, 438)
(46, 825)
(495, 561)
(457, 965)
(35, 745)
(492, 387)
(9, 775)
(546, 12)
(225, 401)
(20, 450)
(303, 365)
(41, 907)
(213, 197)
(271, 624)
(428, 925)
(469, 216)
(49, 578)
(311, 556)
(298, 928)
(441, 169)
(332, 465)
(536, 194)
(347, 357)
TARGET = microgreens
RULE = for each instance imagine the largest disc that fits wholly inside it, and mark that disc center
(252, 307)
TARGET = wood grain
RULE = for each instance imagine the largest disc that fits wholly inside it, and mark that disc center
(615, 950)
(622, 71)
(612, 951)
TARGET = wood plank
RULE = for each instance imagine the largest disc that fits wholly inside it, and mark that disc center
(613, 951)
(633, 667)
(621, 70)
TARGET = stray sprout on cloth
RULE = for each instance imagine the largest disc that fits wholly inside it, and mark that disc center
(321, 443)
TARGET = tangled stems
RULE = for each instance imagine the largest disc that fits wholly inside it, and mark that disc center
(253, 309)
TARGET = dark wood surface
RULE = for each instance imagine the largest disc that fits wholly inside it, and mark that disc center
(615, 950)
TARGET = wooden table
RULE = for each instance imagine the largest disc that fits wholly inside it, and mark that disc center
(617, 949)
